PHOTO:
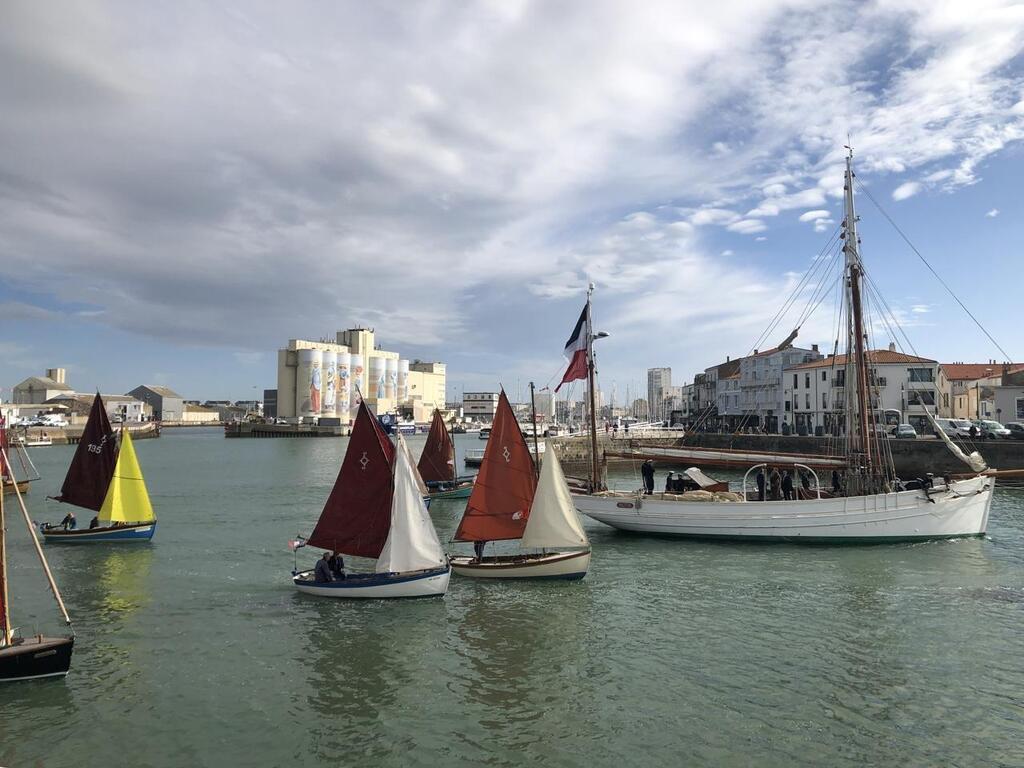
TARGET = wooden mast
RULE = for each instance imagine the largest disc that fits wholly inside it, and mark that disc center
(6, 639)
(595, 480)
(536, 450)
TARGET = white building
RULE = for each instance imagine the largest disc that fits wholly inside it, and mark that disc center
(659, 382)
(902, 385)
(763, 392)
(39, 389)
(480, 406)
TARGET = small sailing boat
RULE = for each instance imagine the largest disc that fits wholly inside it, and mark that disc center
(376, 510)
(28, 658)
(507, 503)
(110, 484)
(437, 464)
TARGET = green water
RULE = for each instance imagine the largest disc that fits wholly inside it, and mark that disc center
(196, 650)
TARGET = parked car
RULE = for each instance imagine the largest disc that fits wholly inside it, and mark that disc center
(954, 427)
(988, 429)
(905, 432)
(1016, 430)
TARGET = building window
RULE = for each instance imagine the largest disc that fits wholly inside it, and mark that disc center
(787, 405)
(807, 380)
(808, 400)
(919, 374)
(795, 380)
(926, 397)
(824, 401)
(1020, 408)
(824, 375)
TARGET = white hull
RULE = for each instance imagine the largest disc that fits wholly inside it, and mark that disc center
(959, 510)
(377, 586)
(552, 565)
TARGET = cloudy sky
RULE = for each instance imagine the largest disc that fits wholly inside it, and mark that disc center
(185, 186)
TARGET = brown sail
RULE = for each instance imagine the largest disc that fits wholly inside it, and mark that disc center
(437, 462)
(503, 493)
(357, 516)
(93, 465)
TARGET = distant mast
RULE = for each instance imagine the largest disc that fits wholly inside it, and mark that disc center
(595, 480)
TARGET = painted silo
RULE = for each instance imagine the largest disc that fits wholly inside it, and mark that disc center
(391, 378)
(344, 384)
(330, 384)
(309, 382)
(378, 373)
(403, 381)
(358, 383)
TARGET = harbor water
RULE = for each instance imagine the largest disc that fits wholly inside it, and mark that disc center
(196, 650)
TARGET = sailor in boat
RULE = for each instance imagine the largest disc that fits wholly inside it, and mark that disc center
(670, 483)
(94, 523)
(322, 572)
(478, 549)
(760, 484)
(69, 522)
(775, 483)
(647, 471)
(787, 485)
(337, 566)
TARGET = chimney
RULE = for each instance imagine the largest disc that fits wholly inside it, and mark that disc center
(755, 351)
(814, 347)
(892, 346)
(57, 374)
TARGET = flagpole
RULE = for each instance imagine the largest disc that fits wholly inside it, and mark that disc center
(594, 480)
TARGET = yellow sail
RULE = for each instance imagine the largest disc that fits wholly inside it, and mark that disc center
(127, 499)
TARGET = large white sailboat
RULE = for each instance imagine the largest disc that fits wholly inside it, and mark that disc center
(875, 506)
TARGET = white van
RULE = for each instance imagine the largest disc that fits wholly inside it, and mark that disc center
(52, 420)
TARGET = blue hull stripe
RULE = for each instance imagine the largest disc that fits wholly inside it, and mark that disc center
(359, 581)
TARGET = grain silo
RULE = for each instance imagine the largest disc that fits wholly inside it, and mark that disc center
(390, 378)
(330, 383)
(378, 372)
(358, 385)
(344, 385)
(308, 382)
(402, 393)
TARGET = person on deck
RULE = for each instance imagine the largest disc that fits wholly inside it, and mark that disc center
(647, 472)
(805, 480)
(69, 522)
(837, 485)
(775, 484)
(787, 485)
(94, 523)
(337, 566)
(478, 549)
(322, 571)
(760, 484)
(670, 483)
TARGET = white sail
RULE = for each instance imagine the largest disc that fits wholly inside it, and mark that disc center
(412, 542)
(553, 520)
(404, 447)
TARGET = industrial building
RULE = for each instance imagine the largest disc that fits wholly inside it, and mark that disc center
(167, 404)
(39, 389)
(325, 379)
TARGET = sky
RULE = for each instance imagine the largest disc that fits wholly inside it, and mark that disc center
(186, 186)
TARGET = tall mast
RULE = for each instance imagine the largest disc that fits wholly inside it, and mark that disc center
(594, 479)
(5, 638)
(856, 361)
(536, 450)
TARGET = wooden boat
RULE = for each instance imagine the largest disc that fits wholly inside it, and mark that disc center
(507, 503)
(437, 464)
(37, 656)
(876, 507)
(107, 480)
(376, 510)
(10, 481)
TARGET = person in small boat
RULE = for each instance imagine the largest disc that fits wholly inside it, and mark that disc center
(337, 566)
(775, 484)
(647, 472)
(322, 572)
(69, 522)
(787, 485)
(94, 523)
(478, 549)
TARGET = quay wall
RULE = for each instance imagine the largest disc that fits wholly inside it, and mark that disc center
(72, 434)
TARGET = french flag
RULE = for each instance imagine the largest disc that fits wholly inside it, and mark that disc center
(576, 351)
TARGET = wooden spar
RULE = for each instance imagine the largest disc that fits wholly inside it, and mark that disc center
(990, 473)
(536, 450)
(6, 639)
(811, 456)
(726, 460)
(39, 552)
(595, 481)
(852, 249)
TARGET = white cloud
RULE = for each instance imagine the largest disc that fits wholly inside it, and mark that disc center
(993, 213)
(905, 190)
(713, 216)
(747, 226)
(813, 215)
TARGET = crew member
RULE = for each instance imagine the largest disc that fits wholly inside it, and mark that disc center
(647, 471)
(322, 572)
(760, 483)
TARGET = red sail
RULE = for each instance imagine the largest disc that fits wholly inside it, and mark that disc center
(437, 463)
(93, 465)
(503, 492)
(357, 516)
(5, 447)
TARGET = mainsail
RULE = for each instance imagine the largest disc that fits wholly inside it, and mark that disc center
(93, 465)
(127, 500)
(357, 516)
(412, 542)
(554, 521)
(437, 462)
(504, 489)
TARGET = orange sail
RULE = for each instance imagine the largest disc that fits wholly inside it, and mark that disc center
(503, 493)
(437, 462)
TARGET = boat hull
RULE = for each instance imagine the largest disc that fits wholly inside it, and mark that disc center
(461, 492)
(9, 487)
(379, 586)
(961, 509)
(35, 658)
(552, 565)
(133, 532)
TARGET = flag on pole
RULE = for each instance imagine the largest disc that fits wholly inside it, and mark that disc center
(576, 351)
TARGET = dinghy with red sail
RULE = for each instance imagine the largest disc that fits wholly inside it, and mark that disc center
(376, 510)
(505, 496)
(437, 464)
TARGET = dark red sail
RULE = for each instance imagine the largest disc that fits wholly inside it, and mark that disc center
(503, 492)
(93, 465)
(437, 462)
(5, 450)
(357, 516)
